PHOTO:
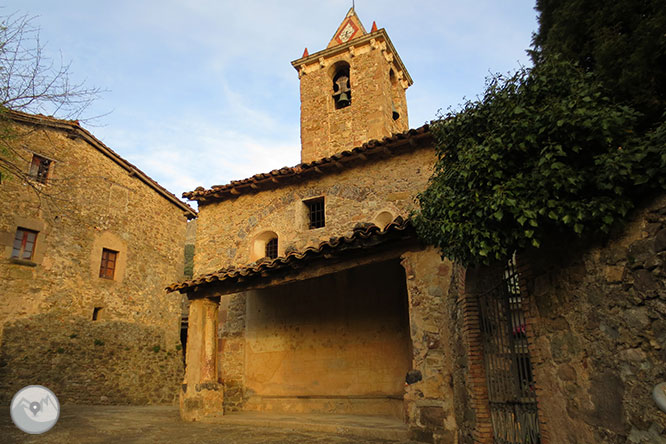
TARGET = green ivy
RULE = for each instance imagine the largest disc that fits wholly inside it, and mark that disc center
(543, 151)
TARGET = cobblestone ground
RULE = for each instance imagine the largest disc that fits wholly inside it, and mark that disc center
(131, 424)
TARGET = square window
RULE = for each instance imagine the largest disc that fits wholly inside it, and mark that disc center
(39, 168)
(24, 244)
(108, 266)
(316, 212)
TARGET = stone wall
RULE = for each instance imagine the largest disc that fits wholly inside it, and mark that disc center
(596, 330)
(89, 203)
(114, 362)
(226, 230)
(429, 403)
(600, 334)
(344, 336)
(326, 130)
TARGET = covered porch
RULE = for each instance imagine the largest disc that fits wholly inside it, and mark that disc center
(323, 334)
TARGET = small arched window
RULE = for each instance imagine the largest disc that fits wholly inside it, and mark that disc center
(265, 244)
(341, 85)
(272, 248)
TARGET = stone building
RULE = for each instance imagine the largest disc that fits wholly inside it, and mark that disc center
(88, 243)
(312, 293)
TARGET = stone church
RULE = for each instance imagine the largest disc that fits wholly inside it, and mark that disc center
(312, 294)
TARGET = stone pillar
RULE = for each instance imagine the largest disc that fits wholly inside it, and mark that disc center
(201, 394)
(429, 403)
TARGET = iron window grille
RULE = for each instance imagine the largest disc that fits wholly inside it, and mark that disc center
(39, 168)
(108, 266)
(316, 212)
(24, 244)
(272, 248)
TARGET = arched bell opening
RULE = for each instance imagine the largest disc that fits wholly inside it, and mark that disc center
(341, 85)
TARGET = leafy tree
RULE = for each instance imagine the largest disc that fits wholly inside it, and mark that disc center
(622, 41)
(543, 151)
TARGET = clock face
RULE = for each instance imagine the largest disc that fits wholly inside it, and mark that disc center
(347, 32)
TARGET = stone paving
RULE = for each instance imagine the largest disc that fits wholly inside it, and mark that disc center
(132, 424)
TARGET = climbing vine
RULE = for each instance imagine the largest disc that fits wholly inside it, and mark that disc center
(544, 151)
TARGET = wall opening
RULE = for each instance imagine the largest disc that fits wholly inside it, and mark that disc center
(272, 248)
(342, 94)
(265, 244)
(183, 335)
(509, 377)
(97, 312)
(316, 212)
(339, 343)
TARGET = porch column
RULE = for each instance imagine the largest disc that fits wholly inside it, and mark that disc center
(209, 352)
(201, 395)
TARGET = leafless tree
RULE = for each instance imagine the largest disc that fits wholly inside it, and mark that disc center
(34, 83)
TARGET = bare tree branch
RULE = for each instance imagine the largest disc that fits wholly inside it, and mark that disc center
(33, 83)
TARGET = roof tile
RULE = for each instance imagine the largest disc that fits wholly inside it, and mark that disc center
(393, 145)
(363, 236)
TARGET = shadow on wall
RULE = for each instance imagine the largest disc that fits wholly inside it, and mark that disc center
(89, 362)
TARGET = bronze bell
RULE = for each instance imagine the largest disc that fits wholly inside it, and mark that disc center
(342, 83)
(343, 99)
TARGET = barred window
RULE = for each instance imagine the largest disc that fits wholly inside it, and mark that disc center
(108, 266)
(316, 212)
(24, 244)
(272, 248)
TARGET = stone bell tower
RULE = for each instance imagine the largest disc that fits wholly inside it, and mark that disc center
(352, 91)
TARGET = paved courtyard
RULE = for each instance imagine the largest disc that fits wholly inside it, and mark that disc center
(132, 424)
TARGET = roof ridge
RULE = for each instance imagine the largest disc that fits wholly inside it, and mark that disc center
(271, 178)
(74, 125)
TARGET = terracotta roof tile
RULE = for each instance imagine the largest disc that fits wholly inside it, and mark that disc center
(364, 236)
(394, 145)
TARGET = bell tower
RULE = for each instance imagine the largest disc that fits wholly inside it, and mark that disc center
(352, 91)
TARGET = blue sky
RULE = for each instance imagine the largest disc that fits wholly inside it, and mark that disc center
(202, 92)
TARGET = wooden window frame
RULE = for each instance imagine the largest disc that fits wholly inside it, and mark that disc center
(107, 267)
(40, 168)
(25, 245)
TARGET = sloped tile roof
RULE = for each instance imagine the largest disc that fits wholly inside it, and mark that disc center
(74, 129)
(372, 150)
(363, 237)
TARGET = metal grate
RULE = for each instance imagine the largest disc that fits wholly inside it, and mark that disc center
(272, 248)
(316, 212)
(509, 375)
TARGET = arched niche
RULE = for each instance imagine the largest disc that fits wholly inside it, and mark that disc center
(260, 243)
